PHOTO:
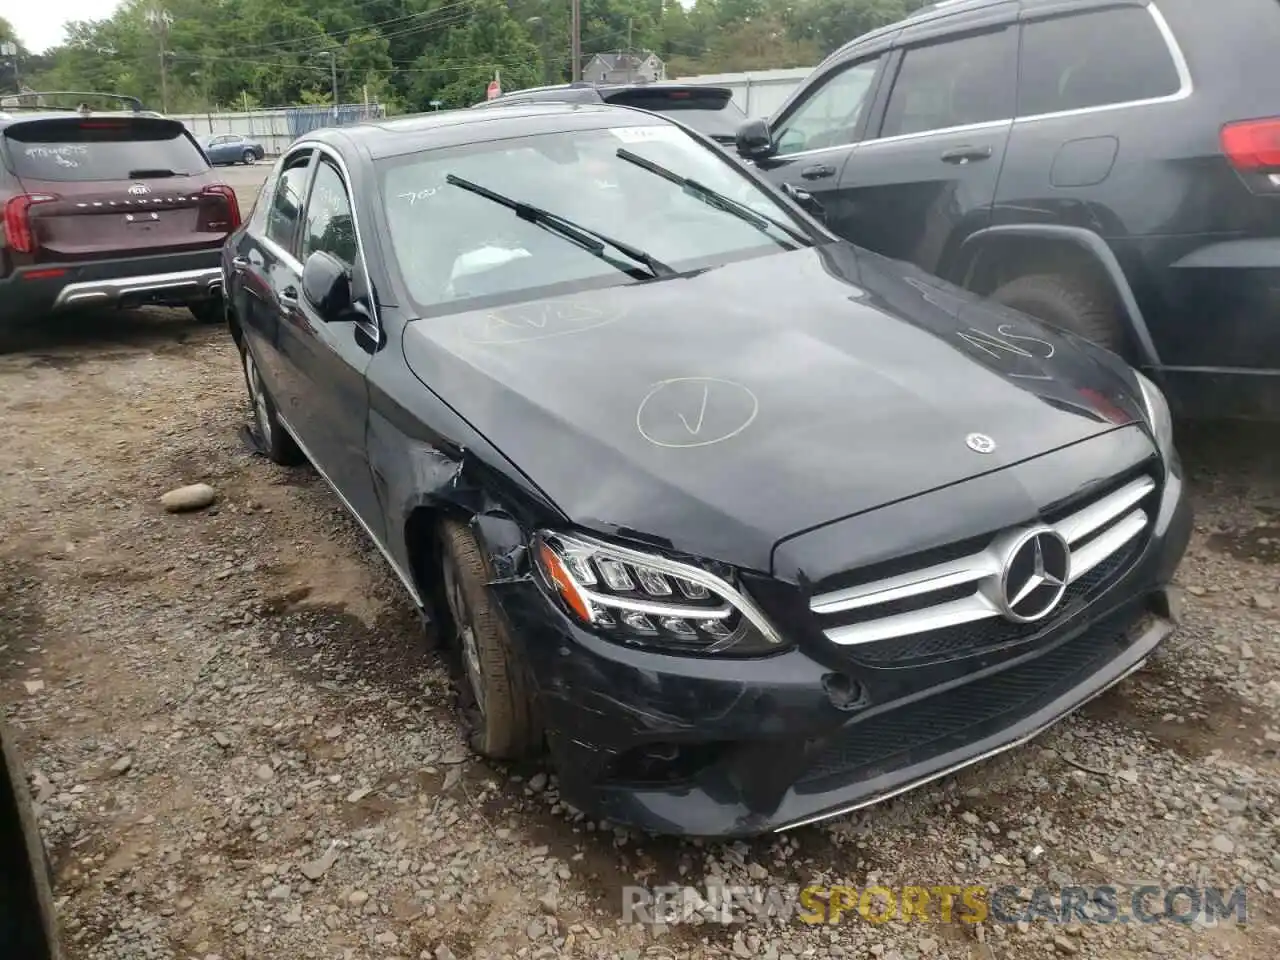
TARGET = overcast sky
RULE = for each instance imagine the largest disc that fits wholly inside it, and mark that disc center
(39, 22)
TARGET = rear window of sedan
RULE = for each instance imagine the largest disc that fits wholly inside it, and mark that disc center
(453, 246)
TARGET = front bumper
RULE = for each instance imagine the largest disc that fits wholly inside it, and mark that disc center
(721, 747)
(176, 278)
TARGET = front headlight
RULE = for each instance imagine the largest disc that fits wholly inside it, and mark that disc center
(1158, 415)
(647, 600)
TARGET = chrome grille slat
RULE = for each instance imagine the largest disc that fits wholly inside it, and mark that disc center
(1098, 514)
(965, 610)
(1105, 544)
(1105, 526)
(950, 574)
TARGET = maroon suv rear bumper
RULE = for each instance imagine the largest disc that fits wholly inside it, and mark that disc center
(175, 278)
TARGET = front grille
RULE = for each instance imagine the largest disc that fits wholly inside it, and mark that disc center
(948, 604)
(964, 714)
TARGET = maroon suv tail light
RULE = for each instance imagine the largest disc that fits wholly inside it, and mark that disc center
(19, 236)
(219, 209)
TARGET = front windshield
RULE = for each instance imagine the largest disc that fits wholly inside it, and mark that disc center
(454, 246)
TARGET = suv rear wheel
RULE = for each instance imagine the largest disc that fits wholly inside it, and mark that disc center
(503, 724)
(207, 311)
(250, 157)
(1073, 303)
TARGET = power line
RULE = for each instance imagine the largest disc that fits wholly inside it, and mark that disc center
(349, 31)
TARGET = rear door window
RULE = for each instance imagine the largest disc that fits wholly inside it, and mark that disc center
(1093, 59)
(86, 149)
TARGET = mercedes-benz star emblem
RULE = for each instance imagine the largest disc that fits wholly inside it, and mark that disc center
(1035, 575)
(979, 443)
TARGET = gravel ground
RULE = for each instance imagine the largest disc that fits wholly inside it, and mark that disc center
(241, 747)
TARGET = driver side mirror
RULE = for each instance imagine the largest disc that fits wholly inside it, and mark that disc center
(326, 283)
(754, 140)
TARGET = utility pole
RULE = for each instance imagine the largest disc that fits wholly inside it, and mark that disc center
(333, 72)
(576, 30)
(630, 57)
(161, 20)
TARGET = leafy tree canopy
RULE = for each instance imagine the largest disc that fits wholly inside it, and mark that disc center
(221, 54)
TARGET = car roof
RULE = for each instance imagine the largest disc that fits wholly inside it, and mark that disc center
(939, 11)
(446, 128)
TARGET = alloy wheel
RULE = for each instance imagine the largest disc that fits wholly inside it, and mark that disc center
(258, 397)
(466, 632)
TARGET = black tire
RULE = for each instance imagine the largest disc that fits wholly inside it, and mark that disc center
(249, 157)
(272, 436)
(1072, 303)
(504, 724)
(208, 311)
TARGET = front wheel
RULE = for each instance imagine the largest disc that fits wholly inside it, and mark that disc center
(504, 725)
(273, 438)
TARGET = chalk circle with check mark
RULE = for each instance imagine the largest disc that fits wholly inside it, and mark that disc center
(695, 411)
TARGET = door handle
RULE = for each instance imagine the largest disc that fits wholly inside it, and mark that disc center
(239, 263)
(289, 297)
(966, 154)
(817, 172)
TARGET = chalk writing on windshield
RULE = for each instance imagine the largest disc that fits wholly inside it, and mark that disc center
(414, 196)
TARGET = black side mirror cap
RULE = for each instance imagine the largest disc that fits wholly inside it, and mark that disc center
(326, 283)
(754, 139)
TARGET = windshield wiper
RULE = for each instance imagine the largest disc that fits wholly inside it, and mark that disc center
(590, 240)
(149, 172)
(712, 198)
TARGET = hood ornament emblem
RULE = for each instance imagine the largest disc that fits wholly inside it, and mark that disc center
(980, 443)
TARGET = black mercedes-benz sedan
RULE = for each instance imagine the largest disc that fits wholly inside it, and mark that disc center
(741, 524)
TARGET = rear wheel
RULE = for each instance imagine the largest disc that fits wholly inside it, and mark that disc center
(273, 438)
(207, 311)
(250, 157)
(503, 722)
(1074, 303)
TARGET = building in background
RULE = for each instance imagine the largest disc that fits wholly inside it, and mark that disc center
(624, 68)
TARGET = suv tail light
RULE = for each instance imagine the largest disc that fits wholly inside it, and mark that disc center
(219, 209)
(1253, 145)
(20, 238)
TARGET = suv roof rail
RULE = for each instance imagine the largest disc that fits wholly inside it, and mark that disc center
(34, 100)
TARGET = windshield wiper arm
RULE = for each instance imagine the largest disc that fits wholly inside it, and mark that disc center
(593, 241)
(713, 198)
(151, 172)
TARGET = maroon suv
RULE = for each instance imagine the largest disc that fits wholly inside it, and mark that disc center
(116, 208)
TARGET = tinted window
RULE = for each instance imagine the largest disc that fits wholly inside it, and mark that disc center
(286, 205)
(1092, 59)
(953, 83)
(329, 225)
(101, 149)
(452, 245)
(829, 117)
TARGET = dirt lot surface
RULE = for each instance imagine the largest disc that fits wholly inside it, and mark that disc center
(241, 748)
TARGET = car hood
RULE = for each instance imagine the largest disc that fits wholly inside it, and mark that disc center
(723, 411)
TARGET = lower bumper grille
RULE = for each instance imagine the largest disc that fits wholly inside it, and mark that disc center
(965, 714)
